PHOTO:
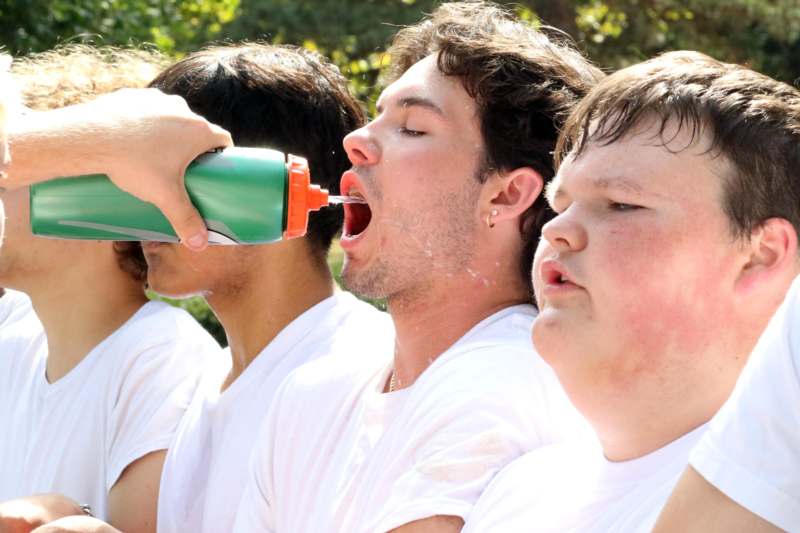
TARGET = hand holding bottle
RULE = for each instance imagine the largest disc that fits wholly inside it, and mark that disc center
(141, 138)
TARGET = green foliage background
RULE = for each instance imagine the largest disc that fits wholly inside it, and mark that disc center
(764, 34)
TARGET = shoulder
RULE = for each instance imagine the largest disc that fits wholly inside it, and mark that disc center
(161, 320)
(160, 340)
(495, 356)
(514, 498)
(14, 305)
(360, 323)
(341, 374)
(532, 472)
(22, 339)
(159, 324)
(360, 343)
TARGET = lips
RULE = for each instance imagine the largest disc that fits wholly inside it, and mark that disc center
(356, 216)
(555, 275)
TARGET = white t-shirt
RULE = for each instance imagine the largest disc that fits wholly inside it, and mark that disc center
(344, 457)
(752, 449)
(16, 308)
(569, 488)
(121, 402)
(207, 464)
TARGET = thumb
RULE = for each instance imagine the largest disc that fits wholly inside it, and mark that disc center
(184, 218)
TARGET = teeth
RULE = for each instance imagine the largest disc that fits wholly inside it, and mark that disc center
(355, 194)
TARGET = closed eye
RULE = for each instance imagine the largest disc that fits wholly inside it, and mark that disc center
(411, 133)
(617, 206)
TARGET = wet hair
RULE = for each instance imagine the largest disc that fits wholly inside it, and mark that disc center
(524, 81)
(76, 73)
(752, 120)
(281, 97)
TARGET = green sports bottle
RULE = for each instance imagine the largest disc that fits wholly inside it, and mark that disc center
(245, 196)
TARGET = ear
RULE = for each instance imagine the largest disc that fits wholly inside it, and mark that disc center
(772, 250)
(509, 194)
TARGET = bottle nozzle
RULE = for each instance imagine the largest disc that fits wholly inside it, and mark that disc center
(301, 198)
(317, 198)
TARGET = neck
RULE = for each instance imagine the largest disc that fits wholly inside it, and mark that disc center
(677, 401)
(432, 318)
(275, 294)
(78, 316)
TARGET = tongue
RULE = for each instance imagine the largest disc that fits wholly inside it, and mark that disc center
(356, 218)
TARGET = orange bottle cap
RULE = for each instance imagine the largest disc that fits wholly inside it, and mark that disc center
(302, 198)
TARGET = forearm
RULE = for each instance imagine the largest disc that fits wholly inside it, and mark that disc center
(76, 524)
(141, 138)
(61, 142)
(26, 514)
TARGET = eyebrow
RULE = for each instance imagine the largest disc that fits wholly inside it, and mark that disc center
(604, 183)
(415, 101)
(618, 183)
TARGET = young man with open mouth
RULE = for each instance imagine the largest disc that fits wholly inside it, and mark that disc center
(451, 170)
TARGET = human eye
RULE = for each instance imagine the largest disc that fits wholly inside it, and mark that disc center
(410, 132)
(621, 207)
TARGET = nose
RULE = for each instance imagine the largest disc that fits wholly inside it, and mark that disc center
(565, 233)
(361, 147)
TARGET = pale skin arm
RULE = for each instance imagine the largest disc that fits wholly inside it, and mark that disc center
(433, 524)
(25, 514)
(76, 524)
(142, 138)
(696, 506)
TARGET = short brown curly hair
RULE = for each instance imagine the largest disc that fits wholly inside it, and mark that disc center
(76, 73)
(525, 80)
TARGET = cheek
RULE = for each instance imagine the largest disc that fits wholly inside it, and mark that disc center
(542, 251)
(668, 287)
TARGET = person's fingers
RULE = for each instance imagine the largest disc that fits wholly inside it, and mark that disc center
(221, 137)
(184, 218)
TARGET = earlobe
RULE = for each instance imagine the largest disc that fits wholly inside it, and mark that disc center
(773, 250)
(516, 192)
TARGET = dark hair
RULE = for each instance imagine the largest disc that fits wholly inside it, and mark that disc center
(130, 259)
(281, 97)
(524, 81)
(752, 120)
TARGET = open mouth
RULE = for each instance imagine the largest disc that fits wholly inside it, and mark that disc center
(356, 216)
(552, 273)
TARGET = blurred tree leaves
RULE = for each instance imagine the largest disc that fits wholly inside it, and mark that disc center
(174, 26)
(764, 34)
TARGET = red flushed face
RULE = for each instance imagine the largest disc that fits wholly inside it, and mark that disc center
(416, 166)
(636, 273)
